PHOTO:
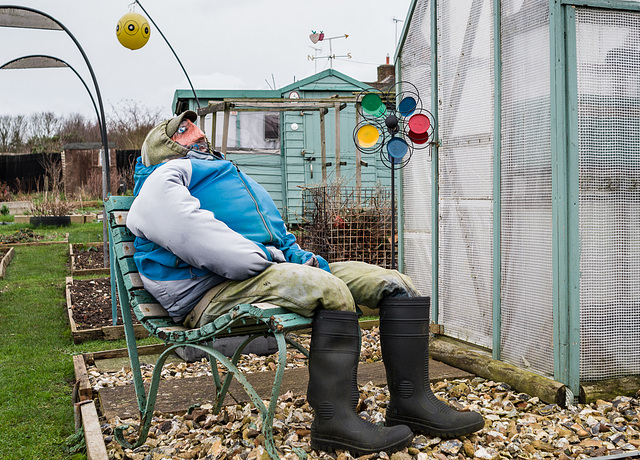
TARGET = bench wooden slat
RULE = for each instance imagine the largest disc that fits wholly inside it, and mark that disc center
(119, 203)
(120, 217)
(122, 233)
(152, 310)
(128, 249)
(140, 296)
(127, 265)
(133, 281)
(170, 329)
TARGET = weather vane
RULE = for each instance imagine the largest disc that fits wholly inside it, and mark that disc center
(393, 124)
(319, 37)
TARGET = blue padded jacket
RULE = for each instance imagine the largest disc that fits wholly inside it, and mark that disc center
(200, 222)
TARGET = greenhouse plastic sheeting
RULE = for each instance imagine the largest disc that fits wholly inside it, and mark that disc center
(465, 89)
(415, 67)
(608, 45)
(526, 200)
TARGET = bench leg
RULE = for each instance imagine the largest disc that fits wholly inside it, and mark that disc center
(222, 390)
(130, 335)
(266, 413)
(146, 414)
(295, 344)
(213, 363)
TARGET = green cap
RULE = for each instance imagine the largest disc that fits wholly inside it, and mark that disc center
(158, 146)
(174, 123)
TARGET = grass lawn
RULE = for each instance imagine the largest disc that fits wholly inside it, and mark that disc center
(36, 365)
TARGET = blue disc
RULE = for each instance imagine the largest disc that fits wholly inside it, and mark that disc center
(407, 106)
(395, 161)
(397, 148)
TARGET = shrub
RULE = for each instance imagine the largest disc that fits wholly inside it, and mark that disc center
(52, 205)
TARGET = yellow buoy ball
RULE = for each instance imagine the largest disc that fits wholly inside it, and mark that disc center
(133, 31)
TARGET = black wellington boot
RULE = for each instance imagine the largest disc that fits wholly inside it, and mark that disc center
(333, 391)
(404, 338)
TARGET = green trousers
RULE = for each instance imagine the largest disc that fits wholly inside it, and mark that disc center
(302, 289)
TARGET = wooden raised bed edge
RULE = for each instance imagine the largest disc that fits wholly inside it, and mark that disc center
(5, 262)
(84, 406)
(98, 333)
(89, 271)
(35, 243)
(85, 412)
(22, 219)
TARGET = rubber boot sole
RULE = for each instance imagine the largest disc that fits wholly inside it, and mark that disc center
(418, 426)
(330, 444)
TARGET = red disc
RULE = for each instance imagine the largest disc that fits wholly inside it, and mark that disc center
(419, 123)
(418, 138)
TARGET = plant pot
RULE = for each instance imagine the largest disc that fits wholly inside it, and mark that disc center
(54, 221)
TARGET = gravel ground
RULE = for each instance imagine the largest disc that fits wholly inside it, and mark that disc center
(517, 426)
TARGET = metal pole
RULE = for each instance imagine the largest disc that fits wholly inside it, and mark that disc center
(393, 214)
(51, 58)
(497, 165)
(435, 198)
(173, 51)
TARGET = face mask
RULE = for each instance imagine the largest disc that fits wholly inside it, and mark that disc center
(190, 136)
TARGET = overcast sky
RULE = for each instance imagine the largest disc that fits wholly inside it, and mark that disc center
(238, 44)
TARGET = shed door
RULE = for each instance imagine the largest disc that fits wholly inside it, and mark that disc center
(312, 157)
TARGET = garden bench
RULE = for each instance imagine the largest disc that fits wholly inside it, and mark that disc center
(251, 320)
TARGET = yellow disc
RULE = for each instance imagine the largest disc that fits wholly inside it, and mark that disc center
(367, 136)
(133, 31)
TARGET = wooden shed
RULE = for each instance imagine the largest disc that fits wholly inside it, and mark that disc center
(289, 138)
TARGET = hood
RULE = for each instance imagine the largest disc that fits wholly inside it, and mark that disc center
(141, 173)
(158, 146)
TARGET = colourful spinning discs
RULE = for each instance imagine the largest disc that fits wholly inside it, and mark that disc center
(372, 104)
(367, 136)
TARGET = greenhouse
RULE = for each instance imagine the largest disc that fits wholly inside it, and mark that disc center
(521, 221)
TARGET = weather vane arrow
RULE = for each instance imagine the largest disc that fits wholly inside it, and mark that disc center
(316, 37)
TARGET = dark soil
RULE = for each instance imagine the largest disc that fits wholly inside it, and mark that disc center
(91, 303)
(91, 299)
(88, 257)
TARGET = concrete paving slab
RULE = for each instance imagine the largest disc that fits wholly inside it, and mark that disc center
(176, 396)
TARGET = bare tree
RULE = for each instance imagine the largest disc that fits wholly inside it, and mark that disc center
(77, 128)
(128, 125)
(44, 124)
(130, 122)
(12, 132)
(53, 172)
(5, 132)
(44, 132)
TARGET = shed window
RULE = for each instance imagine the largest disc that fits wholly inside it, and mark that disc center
(271, 126)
